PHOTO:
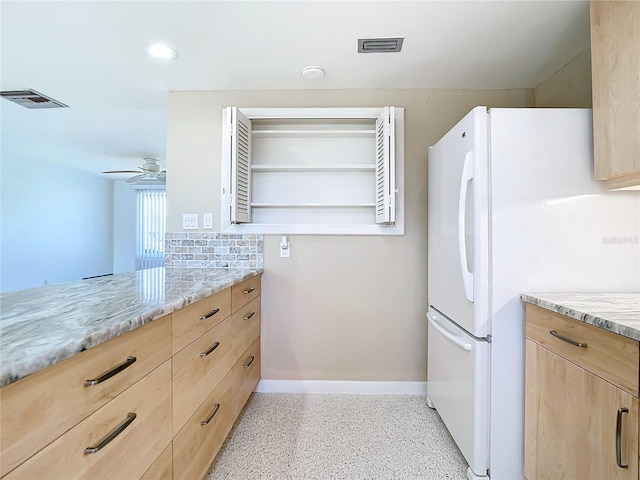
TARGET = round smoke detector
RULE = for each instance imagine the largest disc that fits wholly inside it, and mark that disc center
(312, 72)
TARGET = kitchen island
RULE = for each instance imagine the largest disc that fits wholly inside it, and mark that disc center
(159, 361)
(42, 326)
(582, 386)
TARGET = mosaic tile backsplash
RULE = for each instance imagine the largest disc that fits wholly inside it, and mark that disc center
(213, 250)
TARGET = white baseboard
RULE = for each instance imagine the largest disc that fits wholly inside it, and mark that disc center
(341, 386)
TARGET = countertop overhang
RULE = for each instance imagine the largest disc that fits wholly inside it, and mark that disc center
(42, 326)
(615, 312)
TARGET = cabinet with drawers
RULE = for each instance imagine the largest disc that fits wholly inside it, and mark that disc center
(581, 400)
(41, 407)
(155, 403)
(213, 378)
(127, 435)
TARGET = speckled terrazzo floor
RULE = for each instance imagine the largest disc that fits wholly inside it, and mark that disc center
(312, 436)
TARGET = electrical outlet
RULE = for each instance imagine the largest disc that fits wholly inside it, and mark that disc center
(189, 221)
(207, 221)
(285, 247)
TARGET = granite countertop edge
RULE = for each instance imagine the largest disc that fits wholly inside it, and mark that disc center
(597, 320)
(14, 367)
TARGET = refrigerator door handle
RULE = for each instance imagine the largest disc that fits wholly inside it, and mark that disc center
(467, 176)
(455, 339)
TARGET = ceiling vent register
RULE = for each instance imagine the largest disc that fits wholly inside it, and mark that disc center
(31, 99)
(378, 45)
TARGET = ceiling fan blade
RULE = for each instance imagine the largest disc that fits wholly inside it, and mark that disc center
(121, 171)
(137, 178)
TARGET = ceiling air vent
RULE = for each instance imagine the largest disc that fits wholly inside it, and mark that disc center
(31, 99)
(377, 45)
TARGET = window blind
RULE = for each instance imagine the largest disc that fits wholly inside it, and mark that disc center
(151, 220)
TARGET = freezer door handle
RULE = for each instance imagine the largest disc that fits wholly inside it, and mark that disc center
(455, 339)
(466, 177)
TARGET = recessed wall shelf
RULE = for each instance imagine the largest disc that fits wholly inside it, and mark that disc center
(313, 171)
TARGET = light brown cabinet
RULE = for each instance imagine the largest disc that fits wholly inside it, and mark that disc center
(581, 412)
(210, 381)
(172, 406)
(41, 407)
(141, 414)
(615, 63)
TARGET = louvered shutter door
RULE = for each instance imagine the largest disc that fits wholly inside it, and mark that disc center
(385, 167)
(240, 167)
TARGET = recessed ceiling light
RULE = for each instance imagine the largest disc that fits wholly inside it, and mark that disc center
(312, 72)
(161, 52)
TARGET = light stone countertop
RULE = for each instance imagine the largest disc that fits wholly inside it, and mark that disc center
(42, 326)
(616, 312)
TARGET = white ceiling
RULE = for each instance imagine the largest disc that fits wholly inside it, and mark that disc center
(90, 56)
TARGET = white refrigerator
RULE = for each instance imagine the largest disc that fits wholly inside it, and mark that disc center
(512, 208)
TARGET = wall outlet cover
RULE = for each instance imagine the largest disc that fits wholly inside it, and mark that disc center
(207, 221)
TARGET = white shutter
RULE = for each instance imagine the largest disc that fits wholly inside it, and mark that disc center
(385, 167)
(240, 129)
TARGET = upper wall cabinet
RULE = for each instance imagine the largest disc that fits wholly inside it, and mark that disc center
(615, 59)
(313, 170)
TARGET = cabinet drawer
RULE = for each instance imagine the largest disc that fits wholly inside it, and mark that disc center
(610, 356)
(129, 454)
(197, 370)
(244, 292)
(245, 327)
(192, 321)
(195, 446)
(162, 468)
(39, 408)
(246, 374)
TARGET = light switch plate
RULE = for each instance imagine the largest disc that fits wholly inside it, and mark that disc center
(189, 221)
(207, 221)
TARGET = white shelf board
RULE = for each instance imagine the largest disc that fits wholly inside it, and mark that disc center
(302, 132)
(313, 168)
(313, 205)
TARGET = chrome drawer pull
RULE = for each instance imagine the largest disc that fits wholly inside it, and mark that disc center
(213, 347)
(249, 316)
(114, 371)
(567, 339)
(619, 438)
(248, 290)
(210, 314)
(112, 434)
(216, 407)
(248, 364)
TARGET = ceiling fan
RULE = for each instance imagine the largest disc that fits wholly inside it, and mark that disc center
(148, 172)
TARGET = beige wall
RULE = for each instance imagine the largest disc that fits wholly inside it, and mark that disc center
(342, 307)
(568, 87)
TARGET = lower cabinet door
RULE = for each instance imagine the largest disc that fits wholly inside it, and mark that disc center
(196, 445)
(120, 440)
(577, 426)
(246, 374)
